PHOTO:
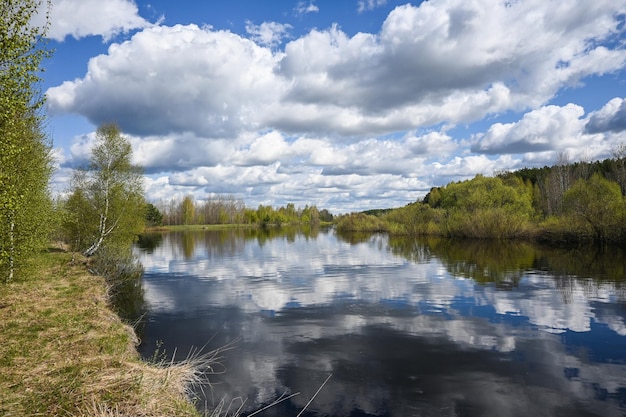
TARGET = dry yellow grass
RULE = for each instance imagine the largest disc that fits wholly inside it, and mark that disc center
(64, 352)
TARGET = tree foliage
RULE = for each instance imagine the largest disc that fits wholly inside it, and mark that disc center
(188, 210)
(25, 159)
(485, 207)
(598, 203)
(487, 193)
(106, 206)
(361, 222)
(562, 204)
(221, 209)
(154, 217)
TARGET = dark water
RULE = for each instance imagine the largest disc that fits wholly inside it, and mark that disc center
(405, 327)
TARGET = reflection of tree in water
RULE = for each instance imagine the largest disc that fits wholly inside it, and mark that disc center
(592, 261)
(264, 234)
(223, 242)
(188, 243)
(417, 250)
(123, 273)
(354, 238)
(501, 262)
(585, 268)
(148, 242)
(388, 351)
(505, 262)
(128, 298)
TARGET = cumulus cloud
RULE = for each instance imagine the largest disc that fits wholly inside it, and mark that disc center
(81, 18)
(272, 168)
(357, 120)
(547, 128)
(273, 185)
(445, 61)
(268, 34)
(452, 60)
(610, 118)
(542, 134)
(466, 167)
(80, 150)
(174, 79)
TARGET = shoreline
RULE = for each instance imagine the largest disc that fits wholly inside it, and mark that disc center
(66, 352)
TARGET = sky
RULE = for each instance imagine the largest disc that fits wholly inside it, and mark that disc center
(348, 105)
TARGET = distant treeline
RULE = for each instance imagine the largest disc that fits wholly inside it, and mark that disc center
(567, 202)
(227, 209)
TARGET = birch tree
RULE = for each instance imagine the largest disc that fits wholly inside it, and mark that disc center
(25, 159)
(188, 210)
(106, 206)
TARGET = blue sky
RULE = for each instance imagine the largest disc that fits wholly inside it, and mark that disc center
(349, 105)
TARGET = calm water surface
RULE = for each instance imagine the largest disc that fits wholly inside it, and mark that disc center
(405, 327)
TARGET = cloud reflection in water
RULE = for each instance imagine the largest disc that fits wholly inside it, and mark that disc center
(402, 335)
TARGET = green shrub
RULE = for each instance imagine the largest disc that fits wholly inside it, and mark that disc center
(361, 222)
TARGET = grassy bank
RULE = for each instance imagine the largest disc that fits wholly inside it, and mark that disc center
(64, 352)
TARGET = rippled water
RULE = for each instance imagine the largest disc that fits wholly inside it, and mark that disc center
(405, 327)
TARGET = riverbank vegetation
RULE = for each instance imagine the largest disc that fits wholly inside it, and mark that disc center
(227, 210)
(65, 352)
(25, 149)
(106, 205)
(565, 203)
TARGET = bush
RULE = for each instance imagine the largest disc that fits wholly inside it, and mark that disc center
(496, 223)
(563, 230)
(415, 219)
(597, 203)
(361, 222)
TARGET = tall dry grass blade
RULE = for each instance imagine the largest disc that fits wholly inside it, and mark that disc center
(314, 395)
(275, 402)
(201, 366)
(219, 410)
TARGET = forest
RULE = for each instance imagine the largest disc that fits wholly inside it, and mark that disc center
(226, 209)
(565, 203)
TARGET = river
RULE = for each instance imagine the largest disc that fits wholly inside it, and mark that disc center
(401, 327)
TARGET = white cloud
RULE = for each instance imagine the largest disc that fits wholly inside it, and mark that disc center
(80, 150)
(81, 18)
(266, 149)
(268, 34)
(353, 121)
(610, 118)
(547, 128)
(431, 144)
(365, 5)
(452, 60)
(446, 61)
(179, 152)
(540, 135)
(175, 79)
(304, 7)
(466, 167)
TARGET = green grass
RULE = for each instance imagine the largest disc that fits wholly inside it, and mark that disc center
(65, 353)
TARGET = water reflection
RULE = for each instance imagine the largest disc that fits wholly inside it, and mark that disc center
(406, 327)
